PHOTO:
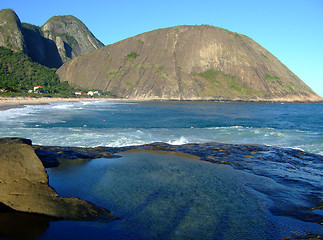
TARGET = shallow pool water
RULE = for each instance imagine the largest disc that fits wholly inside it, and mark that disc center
(168, 196)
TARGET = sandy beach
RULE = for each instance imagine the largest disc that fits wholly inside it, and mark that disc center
(7, 103)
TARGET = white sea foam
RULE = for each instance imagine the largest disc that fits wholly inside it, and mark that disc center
(87, 137)
(224, 128)
(180, 141)
(16, 113)
(65, 106)
(62, 124)
(91, 102)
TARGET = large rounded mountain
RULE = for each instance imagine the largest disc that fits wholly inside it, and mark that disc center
(187, 63)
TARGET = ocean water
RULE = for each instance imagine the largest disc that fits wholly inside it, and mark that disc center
(166, 196)
(109, 123)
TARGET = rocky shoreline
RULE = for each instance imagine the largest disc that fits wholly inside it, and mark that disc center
(289, 167)
(24, 182)
(25, 188)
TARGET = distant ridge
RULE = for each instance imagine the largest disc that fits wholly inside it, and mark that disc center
(60, 39)
(187, 63)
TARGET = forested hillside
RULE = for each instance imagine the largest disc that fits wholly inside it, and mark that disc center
(18, 73)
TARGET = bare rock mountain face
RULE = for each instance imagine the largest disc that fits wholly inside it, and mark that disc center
(60, 39)
(187, 63)
(71, 36)
(10, 31)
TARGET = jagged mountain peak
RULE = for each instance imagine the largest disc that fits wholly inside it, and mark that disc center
(71, 35)
(60, 39)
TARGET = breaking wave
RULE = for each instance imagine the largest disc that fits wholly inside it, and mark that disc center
(102, 123)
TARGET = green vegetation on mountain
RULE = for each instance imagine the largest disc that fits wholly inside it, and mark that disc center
(29, 54)
(218, 83)
(270, 78)
(18, 73)
(131, 56)
(33, 28)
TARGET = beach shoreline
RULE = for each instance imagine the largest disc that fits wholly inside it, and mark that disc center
(20, 102)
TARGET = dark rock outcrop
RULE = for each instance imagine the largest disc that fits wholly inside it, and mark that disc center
(187, 63)
(39, 48)
(24, 186)
(18, 225)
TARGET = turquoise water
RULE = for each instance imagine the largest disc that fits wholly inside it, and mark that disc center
(162, 196)
(165, 196)
(102, 123)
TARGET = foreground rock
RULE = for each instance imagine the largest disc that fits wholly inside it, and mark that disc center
(24, 186)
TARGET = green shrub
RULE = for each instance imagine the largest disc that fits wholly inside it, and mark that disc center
(132, 56)
(211, 75)
(159, 69)
(271, 78)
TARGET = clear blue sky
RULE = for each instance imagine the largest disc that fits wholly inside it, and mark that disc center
(292, 30)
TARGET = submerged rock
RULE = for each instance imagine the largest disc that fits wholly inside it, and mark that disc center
(299, 172)
(266, 193)
(24, 186)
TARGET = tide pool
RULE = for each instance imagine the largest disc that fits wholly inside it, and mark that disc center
(167, 196)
